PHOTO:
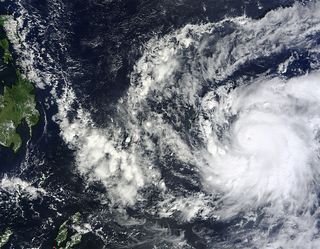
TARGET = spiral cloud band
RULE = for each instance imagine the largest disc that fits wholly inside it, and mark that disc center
(269, 151)
(228, 113)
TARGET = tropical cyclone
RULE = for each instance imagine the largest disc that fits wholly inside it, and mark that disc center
(254, 140)
(219, 126)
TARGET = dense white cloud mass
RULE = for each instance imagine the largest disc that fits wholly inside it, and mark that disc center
(269, 152)
(253, 141)
(260, 145)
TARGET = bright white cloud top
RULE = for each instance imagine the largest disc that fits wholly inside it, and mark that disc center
(251, 140)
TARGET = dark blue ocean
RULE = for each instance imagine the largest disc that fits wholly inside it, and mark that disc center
(93, 47)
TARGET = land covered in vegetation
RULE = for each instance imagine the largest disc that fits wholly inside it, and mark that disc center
(17, 99)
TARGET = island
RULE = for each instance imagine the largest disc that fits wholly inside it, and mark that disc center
(4, 238)
(17, 98)
(62, 237)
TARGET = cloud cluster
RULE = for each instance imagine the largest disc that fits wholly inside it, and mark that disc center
(253, 139)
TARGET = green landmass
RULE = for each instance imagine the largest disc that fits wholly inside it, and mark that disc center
(76, 218)
(4, 238)
(62, 234)
(17, 103)
(65, 229)
(4, 44)
(2, 20)
(74, 240)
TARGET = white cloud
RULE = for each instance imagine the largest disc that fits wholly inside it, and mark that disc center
(16, 186)
(165, 107)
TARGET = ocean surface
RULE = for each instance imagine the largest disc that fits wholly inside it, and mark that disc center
(166, 124)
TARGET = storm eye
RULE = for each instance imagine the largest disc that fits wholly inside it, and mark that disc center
(159, 124)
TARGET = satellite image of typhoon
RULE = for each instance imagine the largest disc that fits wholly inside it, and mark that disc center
(159, 124)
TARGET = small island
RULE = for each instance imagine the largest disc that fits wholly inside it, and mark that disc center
(17, 99)
(4, 238)
(65, 230)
